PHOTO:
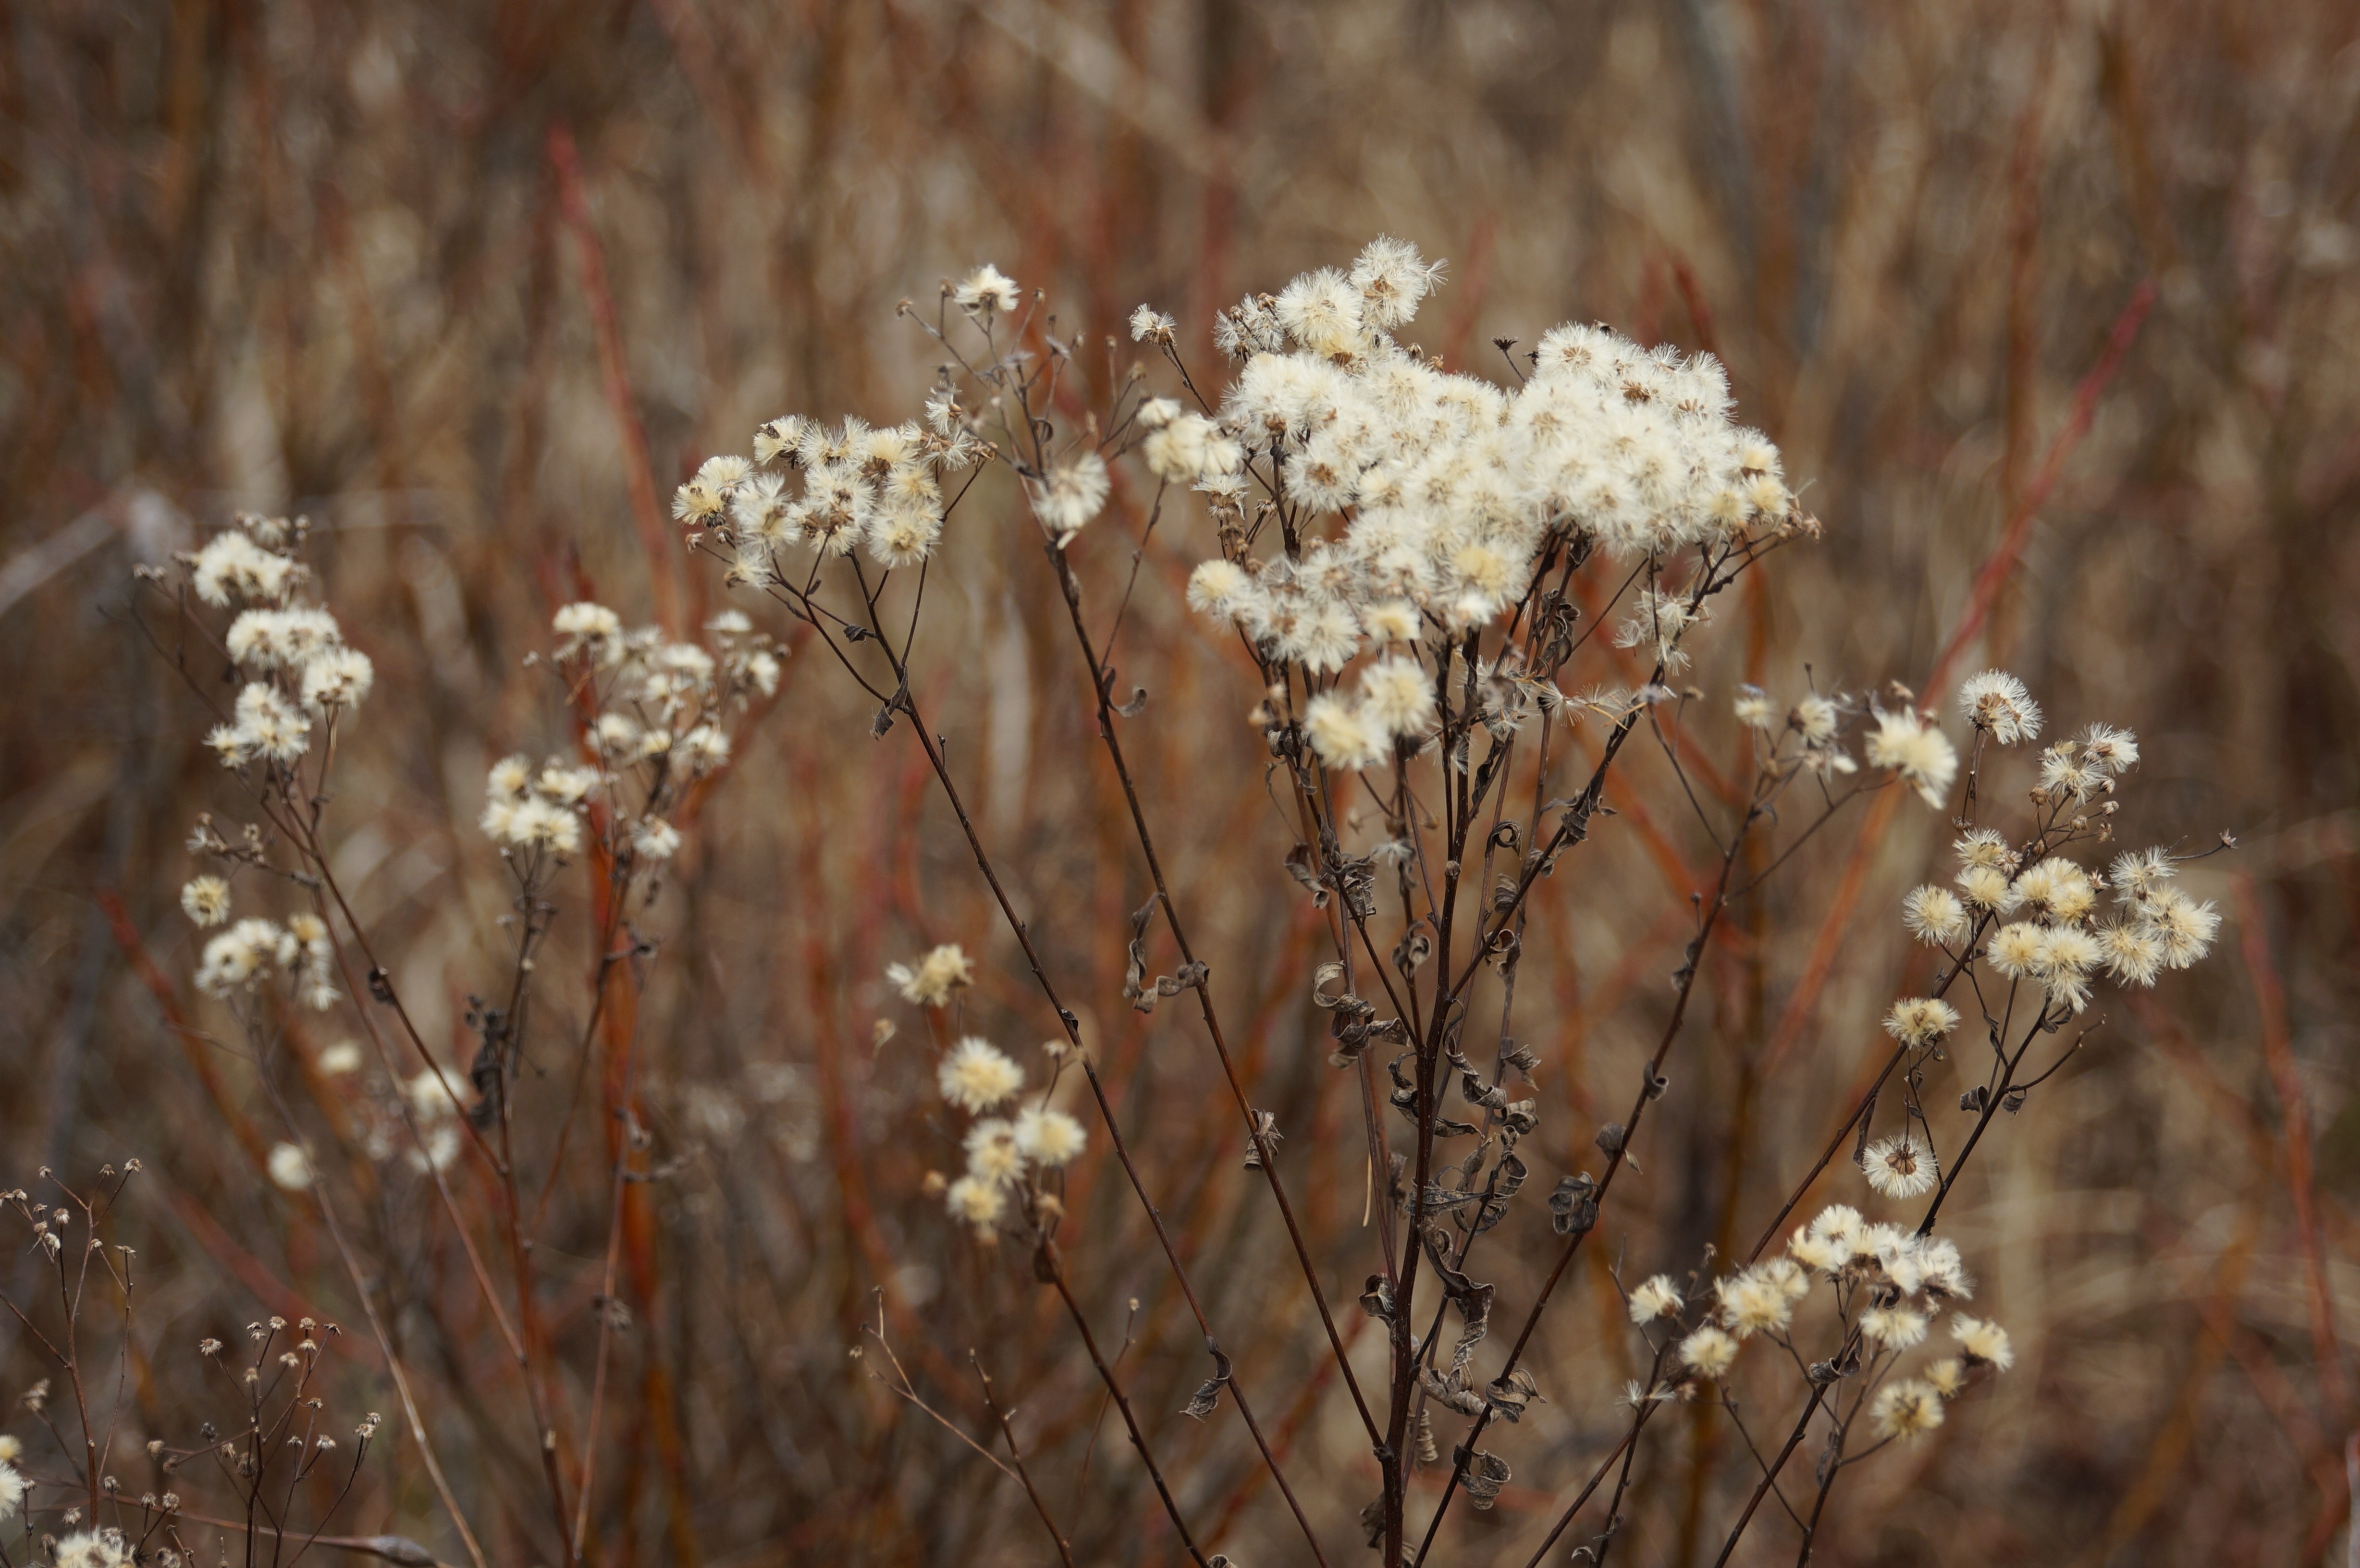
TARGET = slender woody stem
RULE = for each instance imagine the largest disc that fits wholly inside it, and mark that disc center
(1056, 1272)
(1101, 679)
(1016, 1455)
(1072, 1027)
(1689, 970)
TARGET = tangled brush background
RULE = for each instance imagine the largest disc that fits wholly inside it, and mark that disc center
(2067, 294)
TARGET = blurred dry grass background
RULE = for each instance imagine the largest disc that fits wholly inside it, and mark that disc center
(472, 284)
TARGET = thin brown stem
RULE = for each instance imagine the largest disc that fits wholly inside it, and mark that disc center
(1072, 1027)
(1016, 1456)
(1101, 681)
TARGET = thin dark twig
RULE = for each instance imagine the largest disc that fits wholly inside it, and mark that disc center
(1072, 1027)
(1100, 677)
(1064, 1552)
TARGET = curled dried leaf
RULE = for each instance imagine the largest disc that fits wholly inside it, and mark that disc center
(1207, 1397)
(1486, 1473)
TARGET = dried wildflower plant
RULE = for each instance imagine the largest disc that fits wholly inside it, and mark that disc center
(1411, 565)
(277, 1462)
(655, 720)
(1413, 561)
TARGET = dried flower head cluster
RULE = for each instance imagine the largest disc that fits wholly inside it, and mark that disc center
(2023, 930)
(75, 1512)
(1886, 1287)
(12, 1480)
(834, 489)
(1907, 743)
(299, 672)
(1008, 1158)
(105, 1548)
(255, 952)
(934, 979)
(1416, 503)
(2029, 911)
(1396, 551)
(656, 719)
(433, 1115)
(1903, 740)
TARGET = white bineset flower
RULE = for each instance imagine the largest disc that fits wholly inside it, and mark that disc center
(976, 1075)
(1997, 703)
(930, 982)
(1921, 754)
(1900, 1167)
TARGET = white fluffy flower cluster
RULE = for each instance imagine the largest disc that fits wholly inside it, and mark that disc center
(92, 1549)
(976, 1076)
(297, 667)
(1445, 486)
(672, 681)
(248, 564)
(1904, 741)
(1911, 1279)
(257, 951)
(12, 1482)
(659, 722)
(435, 1114)
(873, 486)
(2053, 933)
(2061, 943)
(933, 979)
(290, 1169)
(1997, 703)
(264, 725)
(526, 808)
(1839, 1245)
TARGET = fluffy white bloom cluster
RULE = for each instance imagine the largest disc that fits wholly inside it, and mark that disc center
(1997, 703)
(265, 725)
(1839, 1244)
(298, 667)
(1657, 1297)
(2062, 943)
(1909, 1281)
(1444, 487)
(679, 683)
(1066, 498)
(436, 1112)
(1760, 1299)
(205, 900)
(537, 810)
(1910, 1407)
(985, 292)
(930, 982)
(1902, 1166)
(289, 1170)
(244, 956)
(12, 1481)
(1185, 448)
(1816, 720)
(974, 1076)
(92, 1549)
(253, 951)
(1920, 1020)
(873, 486)
(977, 1075)
(2033, 915)
(246, 564)
(659, 722)
(1905, 742)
